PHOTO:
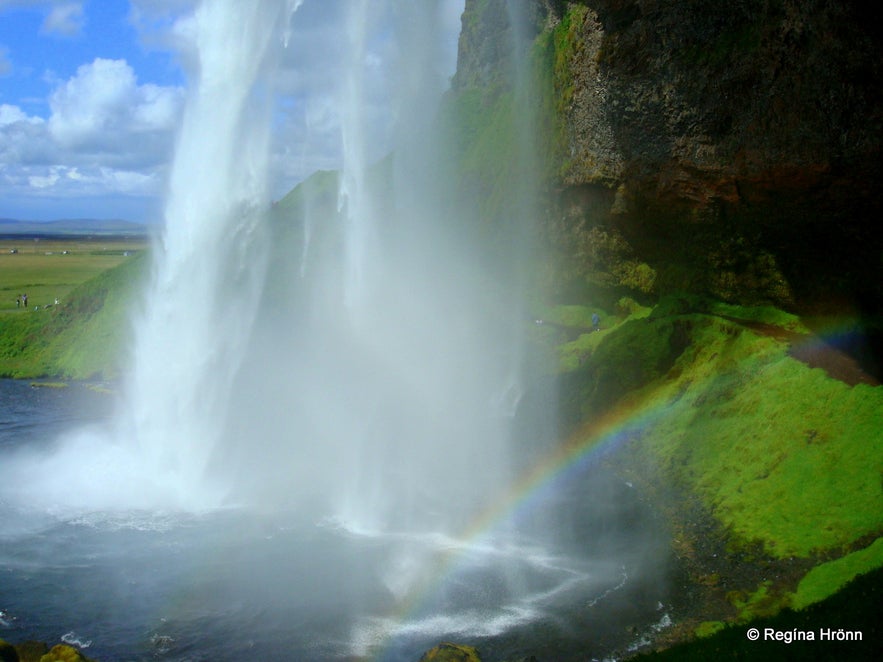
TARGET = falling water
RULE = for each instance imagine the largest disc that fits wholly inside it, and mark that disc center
(371, 389)
(354, 361)
(372, 378)
(208, 268)
(322, 392)
(202, 300)
(191, 334)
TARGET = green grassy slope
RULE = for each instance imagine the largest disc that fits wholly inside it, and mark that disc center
(784, 459)
(81, 338)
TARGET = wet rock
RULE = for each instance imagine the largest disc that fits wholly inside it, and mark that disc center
(7, 652)
(448, 652)
(64, 653)
(31, 651)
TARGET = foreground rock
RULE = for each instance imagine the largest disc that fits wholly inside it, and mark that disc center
(37, 651)
(447, 652)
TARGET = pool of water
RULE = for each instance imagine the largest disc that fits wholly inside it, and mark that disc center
(271, 584)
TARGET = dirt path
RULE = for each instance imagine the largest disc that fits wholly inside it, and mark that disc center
(815, 352)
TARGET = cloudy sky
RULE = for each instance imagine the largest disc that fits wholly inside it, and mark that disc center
(92, 92)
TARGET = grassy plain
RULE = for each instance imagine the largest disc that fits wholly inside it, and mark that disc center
(50, 268)
(94, 281)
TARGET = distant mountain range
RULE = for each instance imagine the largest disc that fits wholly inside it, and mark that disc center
(72, 226)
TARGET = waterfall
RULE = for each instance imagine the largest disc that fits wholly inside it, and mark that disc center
(355, 360)
(374, 380)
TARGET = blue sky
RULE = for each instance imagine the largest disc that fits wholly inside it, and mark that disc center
(92, 91)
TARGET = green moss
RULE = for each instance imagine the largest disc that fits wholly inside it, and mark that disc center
(730, 416)
(636, 275)
(854, 609)
(628, 307)
(572, 355)
(748, 428)
(826, 579)
(64, 653)
(566, 48)
(638, 353)
(760, 314)
(496, 141)
(448, 652)
(570, 331)
(573, 316)
(708, 628)
(763, 602)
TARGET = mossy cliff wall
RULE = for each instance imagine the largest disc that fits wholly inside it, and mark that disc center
(731, 149)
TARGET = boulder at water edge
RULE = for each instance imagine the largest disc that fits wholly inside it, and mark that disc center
(448, 652)
(64, 653)
(7, 652)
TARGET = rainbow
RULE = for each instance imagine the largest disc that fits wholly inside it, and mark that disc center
(587, 446)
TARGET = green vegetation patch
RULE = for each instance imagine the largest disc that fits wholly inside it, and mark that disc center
(781, 454)
(51, 268)
(573, 354)
(849, 620)
(708, 628)
(765, 601)
(826, 579)
(82, 337)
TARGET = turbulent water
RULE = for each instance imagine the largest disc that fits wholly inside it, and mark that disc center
(313, 456)
(144, 585)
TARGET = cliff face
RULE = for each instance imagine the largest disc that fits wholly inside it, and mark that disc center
(731, 149)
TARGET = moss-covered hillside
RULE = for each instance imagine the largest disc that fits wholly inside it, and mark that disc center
(767, 467)
(698, 191)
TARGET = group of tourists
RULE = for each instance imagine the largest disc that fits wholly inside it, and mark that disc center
(21, 301)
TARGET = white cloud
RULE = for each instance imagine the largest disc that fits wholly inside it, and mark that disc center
(106, 136)
(44, 181)
(91, 102)
(65, 19)
(60, 181)
(108, 133)
(102, 108)
(157, 22)
(12, 114)
(23, 138)
(130, 182)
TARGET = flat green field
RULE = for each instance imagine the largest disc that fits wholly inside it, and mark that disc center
(50, 268)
